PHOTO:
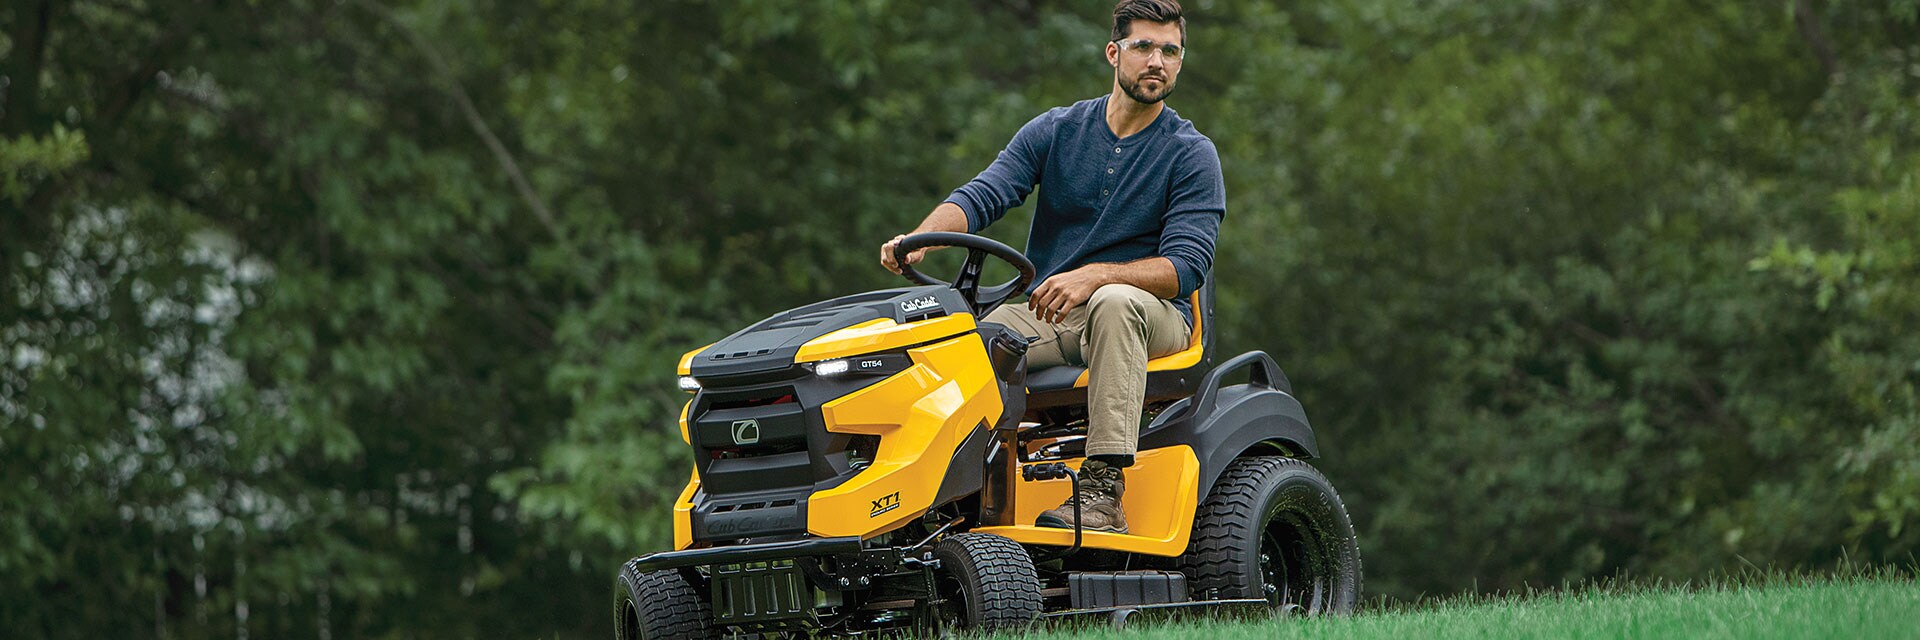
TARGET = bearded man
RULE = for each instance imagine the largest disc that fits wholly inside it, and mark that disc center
(1131, 200)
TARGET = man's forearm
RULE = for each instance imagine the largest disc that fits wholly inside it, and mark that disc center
(1154, 275)
(947, 217)
(1064, 291)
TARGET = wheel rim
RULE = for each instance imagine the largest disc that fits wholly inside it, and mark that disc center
(953, 603)
(629, 621)
(1289, 572)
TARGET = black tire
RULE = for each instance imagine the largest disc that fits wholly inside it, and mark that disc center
(1273, 528)
(987, 583)
(658, 604)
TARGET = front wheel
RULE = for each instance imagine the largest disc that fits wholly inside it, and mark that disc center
(986, 583)
(1273, 528)
(658, 604)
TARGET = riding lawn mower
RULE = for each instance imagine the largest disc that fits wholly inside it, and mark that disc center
(874, 464)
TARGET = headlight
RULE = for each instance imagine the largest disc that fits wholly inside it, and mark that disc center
(688, 384)
(832, 367)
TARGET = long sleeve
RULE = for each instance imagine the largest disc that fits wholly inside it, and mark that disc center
(1006, 183)
(1196, 202)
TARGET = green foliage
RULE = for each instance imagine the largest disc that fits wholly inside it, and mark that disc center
(357, 320)
(1864, 285)
(27, 161)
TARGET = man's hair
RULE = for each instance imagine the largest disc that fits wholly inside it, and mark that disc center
(1162, 11)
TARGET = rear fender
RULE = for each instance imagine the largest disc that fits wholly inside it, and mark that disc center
(1225, 422)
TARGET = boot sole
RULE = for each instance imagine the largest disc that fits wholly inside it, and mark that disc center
(1051, 521)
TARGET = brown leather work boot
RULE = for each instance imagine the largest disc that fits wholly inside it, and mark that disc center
(1101, 486)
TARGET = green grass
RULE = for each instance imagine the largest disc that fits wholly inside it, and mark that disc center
(1882, 606)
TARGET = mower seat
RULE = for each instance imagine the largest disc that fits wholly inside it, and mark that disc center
(1170, 377)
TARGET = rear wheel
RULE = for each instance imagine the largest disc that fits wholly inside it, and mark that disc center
(1273, 528)
(986, 583)
(658, 604)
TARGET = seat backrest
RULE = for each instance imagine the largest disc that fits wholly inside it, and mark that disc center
(1177, 375)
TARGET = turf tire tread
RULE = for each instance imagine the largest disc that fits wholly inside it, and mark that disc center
(1225, 538)
(665, 603)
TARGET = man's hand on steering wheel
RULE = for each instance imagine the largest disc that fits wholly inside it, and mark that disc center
(886, 254)
(901, 253)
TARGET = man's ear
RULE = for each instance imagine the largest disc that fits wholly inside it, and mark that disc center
(1113, 55)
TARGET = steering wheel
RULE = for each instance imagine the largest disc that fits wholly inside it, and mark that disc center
(982, 301)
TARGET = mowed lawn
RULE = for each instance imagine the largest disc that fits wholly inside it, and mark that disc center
(1878, 607)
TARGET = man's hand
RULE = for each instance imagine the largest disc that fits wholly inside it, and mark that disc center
(946, 217)
(886, 254)
(1064, 291)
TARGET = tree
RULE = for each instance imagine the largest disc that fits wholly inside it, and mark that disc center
(357, 318)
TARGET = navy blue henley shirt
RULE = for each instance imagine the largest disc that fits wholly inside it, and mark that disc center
(1104, 198)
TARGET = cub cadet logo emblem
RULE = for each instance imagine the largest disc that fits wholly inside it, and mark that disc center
(917, 304)
(885, 504)
(746, 431)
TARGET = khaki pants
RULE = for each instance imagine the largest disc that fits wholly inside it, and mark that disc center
(1113, 335)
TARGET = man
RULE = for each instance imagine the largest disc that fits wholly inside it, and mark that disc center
(1130, 203)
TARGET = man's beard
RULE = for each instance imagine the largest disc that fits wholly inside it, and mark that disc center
(1141, 95)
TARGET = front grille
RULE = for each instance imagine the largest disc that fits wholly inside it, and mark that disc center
(758, 400)
(761, 449)
(762, 422)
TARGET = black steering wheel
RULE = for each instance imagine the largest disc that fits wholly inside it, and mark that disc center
(982, 301)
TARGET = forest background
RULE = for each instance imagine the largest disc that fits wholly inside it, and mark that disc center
(357, 318)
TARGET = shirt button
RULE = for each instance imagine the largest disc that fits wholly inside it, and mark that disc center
(1109, 170)
(1116, 149)
(1103, 192)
